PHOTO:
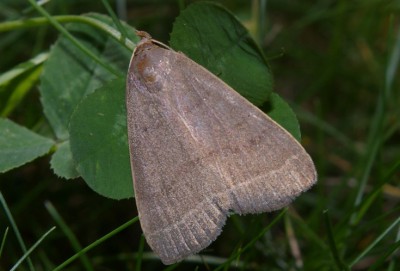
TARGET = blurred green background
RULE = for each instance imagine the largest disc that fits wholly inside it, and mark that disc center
(335, 62)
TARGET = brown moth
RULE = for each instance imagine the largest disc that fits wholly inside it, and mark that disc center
(199, 151)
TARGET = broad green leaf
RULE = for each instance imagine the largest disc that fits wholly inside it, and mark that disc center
(18, 145)
(214, 38)
(99, 141)
(62, 163)
(69, 74)
(281, 112)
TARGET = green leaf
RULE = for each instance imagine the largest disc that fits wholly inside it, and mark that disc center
(281, 112)
(62, 162)
(68, 74)
(19, 145)
(214, 38)
(99, 141)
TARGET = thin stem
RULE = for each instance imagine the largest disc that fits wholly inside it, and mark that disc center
(39, 21)
(96, 243)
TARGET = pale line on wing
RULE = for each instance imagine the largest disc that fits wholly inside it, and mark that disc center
(245, 183)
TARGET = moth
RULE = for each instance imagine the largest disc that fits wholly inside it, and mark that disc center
(200, 151)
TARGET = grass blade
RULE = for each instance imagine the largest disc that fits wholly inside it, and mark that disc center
(69, 234)
(332, 244)
(252, 242)
(26, 255)
(16, 231)
(96, 243)
(3, 241)
(373, 244)
(83, 48)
